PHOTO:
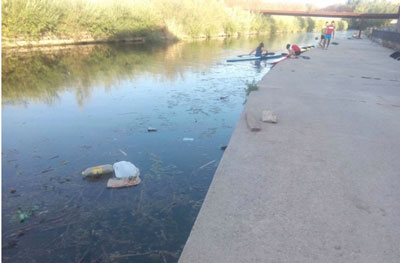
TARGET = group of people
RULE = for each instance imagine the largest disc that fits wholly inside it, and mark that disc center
(294, 50)
(327, 33)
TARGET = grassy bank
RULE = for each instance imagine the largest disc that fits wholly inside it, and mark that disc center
(152, 19)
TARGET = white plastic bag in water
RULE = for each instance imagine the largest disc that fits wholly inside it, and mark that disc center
(125, 169)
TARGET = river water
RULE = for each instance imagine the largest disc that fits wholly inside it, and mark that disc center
(68, 109)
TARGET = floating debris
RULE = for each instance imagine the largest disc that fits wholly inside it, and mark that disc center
(47, 170)
(54, 157)
(207, 164)
(123, 182)
(127, 174)
(12, 191)
(10, 244)
(188, 139)
(125, 169)
(23, 215)
(223, 147)
(97, 171)
(151, 129)
(87, 147)
(124, 153)
(223, 97)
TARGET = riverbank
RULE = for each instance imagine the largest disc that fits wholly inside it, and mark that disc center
(159, 37)
(33, 22)
(321, 184)
(16, 44)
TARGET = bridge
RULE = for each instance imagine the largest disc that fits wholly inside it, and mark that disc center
(330, 14)
(334, 14)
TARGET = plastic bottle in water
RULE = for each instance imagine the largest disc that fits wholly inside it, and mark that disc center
(97, 171)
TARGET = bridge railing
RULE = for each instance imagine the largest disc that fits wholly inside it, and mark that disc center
(334, 14)
(329, 14)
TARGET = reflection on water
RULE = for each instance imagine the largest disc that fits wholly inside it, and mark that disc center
(69, 109)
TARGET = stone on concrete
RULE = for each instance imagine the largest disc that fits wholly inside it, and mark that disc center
(252, 122)
(269, 116)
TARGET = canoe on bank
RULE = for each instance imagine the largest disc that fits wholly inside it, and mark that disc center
(250, 58)
(277, 57)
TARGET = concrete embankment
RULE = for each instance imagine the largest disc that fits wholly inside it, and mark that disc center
(321, 185)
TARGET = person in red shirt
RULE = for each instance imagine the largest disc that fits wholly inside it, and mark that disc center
(293, 50)
(330, 33)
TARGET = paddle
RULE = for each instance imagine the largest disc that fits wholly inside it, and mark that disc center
(269, 53)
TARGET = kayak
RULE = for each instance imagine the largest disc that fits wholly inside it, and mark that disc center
(250, 58)
(307, 48)
(276, 61)
(275, 57)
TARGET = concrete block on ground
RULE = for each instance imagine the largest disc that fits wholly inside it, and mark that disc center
(252, 122)
(269, 116)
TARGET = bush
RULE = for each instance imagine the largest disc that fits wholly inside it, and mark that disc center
(118, 19)
(29, 18)
(251, 86)
(374, 6)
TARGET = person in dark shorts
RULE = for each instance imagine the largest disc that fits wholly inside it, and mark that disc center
(259, 50)
(323, 33)
(294, 50)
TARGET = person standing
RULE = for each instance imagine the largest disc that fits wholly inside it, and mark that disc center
(330, 33)
(323, 33)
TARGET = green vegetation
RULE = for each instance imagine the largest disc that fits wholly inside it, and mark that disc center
(251, 86)
(374, 6)
(76, 18)
(153, 19)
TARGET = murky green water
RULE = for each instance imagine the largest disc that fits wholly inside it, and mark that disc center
(69, 109)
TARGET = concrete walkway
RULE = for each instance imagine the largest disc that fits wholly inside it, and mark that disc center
(321, 185)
